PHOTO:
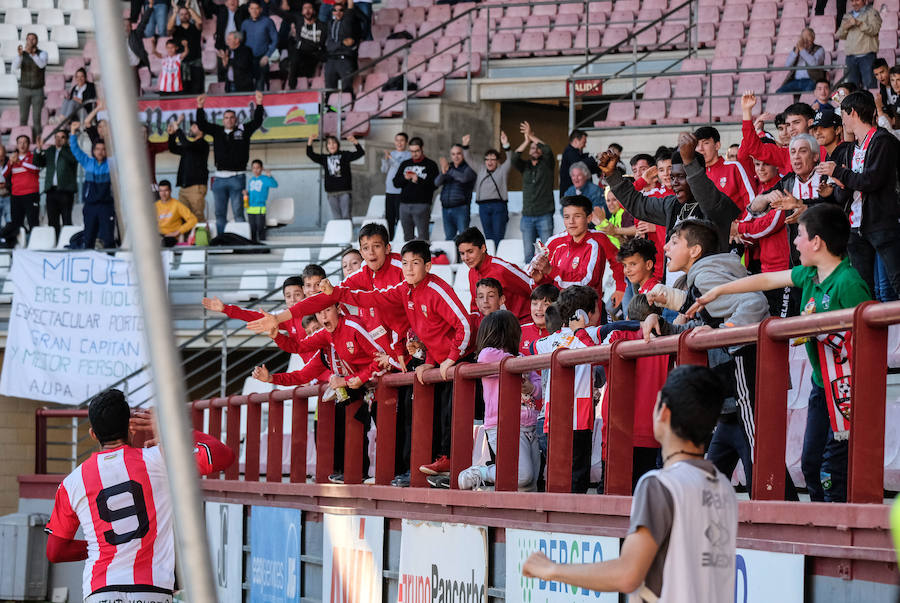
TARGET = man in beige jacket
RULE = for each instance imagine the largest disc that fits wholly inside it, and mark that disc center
(860, 29)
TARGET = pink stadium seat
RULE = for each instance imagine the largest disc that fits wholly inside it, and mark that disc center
(660, 5)
(722, 85)
(754, 61)
(344, 100)
(430, 84)
(457, 44)
(597, 18)
(887, 38)
(537, 22)
(381, 32)
(9, 119)
(548, 10)
(731, 31)
(726, 47)
(15, 133)
(416, 63)
(720, 108)
(518, 11)
(672, 35)
(392, 103)
(751, 81)
(688, 86)
(593, 38)
(559, 41)
(777, 103)
(652, 110)
(823, 24)
(462, 62)
(480, 44)
(386, 16)
(424, 46)
(530, 43)
(209, 60)
(442, 63)
(693, 65)
(460, 28)
(808, 98)
(216, 88)
(621, 18)
(420, 3)
(374, 81)
(604, 6)
(763, 11)
(572, 9)
(54, 82)
(790, 27)
(632, 5)
(566, 22)
(54, 100)
(369, 51)
(462, 7)
(646, 39)
(795, 9)
(826, 41)
(706, 34)
(398, 4)
(439, 12)
(431, 28)
(408, 26)
(367, 104)
(510, 25)
(680, 111)
(392, 45)
(317, 82)
(708, 15)
(647, 14)
(90, 50)
(784, 45)
(619, 113)
(658, 88)
(503, 43)
(762, 29)
(390, 65)
(613, 36)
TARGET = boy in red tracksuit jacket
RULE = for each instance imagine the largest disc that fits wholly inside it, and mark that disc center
(291, 289)
(542, 297)
(345, 346)
(381, 269)
(733, 178)
(579, 256)
(25, 201)
(438, 318)
(516, 284)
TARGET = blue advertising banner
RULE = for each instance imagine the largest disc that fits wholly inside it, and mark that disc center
(275, 536)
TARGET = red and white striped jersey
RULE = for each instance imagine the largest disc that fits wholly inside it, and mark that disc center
(170, 74)
(120, 497)
(583, 415)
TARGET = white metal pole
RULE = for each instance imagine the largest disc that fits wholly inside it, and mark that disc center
(133, 186)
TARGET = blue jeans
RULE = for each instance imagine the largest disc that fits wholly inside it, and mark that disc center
(494, 216)
(156, 26)
(456, 220)
(798, 85)
(859, 70)
(883, 290)
(824, 459)
(533, 228)
(224, 189)
(4, 210)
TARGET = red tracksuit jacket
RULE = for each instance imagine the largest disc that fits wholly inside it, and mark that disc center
(772, 154)
(583, 263)
(771, 237)
(530, 333)
(731, 178)
(516, 284)
(433, 310)
(351, 347)
(365, 279)
(294, 326)
(25, 175)
(314, 369)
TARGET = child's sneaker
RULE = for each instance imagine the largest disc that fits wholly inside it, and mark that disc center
(473, 478)
(441, 466)
(438, 481)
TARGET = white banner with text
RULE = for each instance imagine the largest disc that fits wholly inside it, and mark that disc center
(352, 558)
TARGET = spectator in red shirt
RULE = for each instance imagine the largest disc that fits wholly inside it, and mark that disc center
(541, 298)
(638, 259)
(730, 177)
(26, 196)
(797, 118)
(488, 298)
(517, 285)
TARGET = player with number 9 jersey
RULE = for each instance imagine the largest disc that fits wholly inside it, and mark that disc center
(120, 498)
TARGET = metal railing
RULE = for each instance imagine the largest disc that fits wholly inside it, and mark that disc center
(868, 322)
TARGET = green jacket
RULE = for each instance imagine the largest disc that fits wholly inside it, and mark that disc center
(67, 179)
(537, 182)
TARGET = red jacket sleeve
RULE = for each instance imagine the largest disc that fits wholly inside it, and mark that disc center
(211, 455)
(239, 313)
(311, 343)
(310, 371)
(451, 309)
(312, 304)
(765, 225)
(62, 550)
(513, 279)
(385, 300)
(752, 146)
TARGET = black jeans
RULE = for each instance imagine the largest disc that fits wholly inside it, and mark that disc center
(257, 227)
(59, 208)
(24, 207)
(302, 64)
(824, 459)
(340, 69)
(862, 249)
(392, 212)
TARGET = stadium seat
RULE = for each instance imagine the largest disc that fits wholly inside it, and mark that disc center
(560, 41)
(620, 112)
(367, 103)
(657, 88)
(376, 207)
(7, 4)
(688, 86)
(448, 247)
(68, 6)
(65, 235)
(253, 284)
(767, 11)
(36, 5)
(65, 36)
(52, 51)
(338, 232)
(531, 42)
(752, 81)
(442, 64)
(42, 237)
(9, 118)
(512, 251)
(443, 272)
(777, 103)
(613, 36)
(693, 65)
(9, 86)
(18, 16)
(722, 85)
(567, 22)
(6, 294)
(8, 31)
(50, 16)
(680, 111)
(652, 110)
(83, 20)
(430, 84)
(280, 211)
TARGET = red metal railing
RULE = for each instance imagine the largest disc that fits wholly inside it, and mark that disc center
(869, 323)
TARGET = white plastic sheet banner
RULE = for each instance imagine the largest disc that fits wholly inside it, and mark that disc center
(225, 531)
(75, 326)
(561, 548)
(352, 558)
(442, 562)
(763, 576)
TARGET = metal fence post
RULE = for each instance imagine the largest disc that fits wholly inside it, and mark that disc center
(340, 106)
(405, 82)
(469, 68)
(223, 379)
(772, 384)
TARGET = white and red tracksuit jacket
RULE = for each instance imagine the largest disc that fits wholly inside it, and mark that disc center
(582, 262)
(25, 175)
(731, 178)
(366, 279)
(353, 351)
(516, 284)
(433, 310)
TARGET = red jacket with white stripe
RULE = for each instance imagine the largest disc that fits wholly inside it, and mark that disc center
(433, 310)
(516, 284)
(584, 262)
(294, 326)
(530, 333)
(353, 351)
(731, 178)
(771, 237)
(25, 174)
(366, 279)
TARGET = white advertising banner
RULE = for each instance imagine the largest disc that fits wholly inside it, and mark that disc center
(561, 548)
(442, 562)
(75, 326)
(764, 576)
(225, 531)
(352, 558)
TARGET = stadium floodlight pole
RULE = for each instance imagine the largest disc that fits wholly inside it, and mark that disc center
(134, 193)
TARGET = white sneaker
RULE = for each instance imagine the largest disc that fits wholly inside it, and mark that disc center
(473, 478)
(369, 481)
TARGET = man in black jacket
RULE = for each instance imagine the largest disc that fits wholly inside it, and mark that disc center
(229, 18)
(695, 194)
(236, 64)
(231, 144)
(572, 154)
(415, 178)
(306, 47)
(869, 190)
(60, 180)
(341, 47)
(193, 172)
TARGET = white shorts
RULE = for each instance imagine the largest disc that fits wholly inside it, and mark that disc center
(114, 596)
